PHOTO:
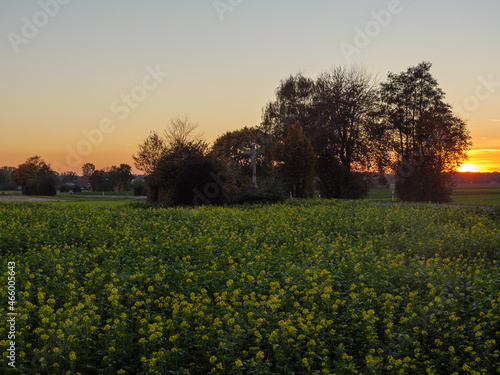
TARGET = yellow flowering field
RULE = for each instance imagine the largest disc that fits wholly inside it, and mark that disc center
(303, 287)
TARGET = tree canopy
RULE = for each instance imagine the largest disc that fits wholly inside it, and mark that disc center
(356, 125)
(336, 111)
(35, 177)
(427, 140)
(295, 157)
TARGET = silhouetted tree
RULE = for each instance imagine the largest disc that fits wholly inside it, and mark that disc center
(64, 188)
(233, 149)
(35, 177)
(124, 177)
(162, 181)
(7, 180)
(162, 158)
(66, 177)
(181, 132)
(139, 187)
(427, 140)
(338, 114)
(294, 103)
(88, 169)
(102, 180)
(150, 153)
(295, 157)
(345, 105)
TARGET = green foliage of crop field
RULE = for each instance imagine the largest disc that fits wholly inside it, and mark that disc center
(302, 287)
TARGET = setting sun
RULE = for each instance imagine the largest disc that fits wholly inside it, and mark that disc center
(467, 167)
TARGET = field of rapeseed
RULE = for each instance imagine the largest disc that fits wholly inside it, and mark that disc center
(302, 287)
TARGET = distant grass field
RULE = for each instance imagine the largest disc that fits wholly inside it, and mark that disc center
(105, 193)
(96, 198)
(380, 195)
(476, 196)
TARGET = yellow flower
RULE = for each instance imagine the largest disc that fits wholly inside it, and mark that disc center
(260, 354)
(238, 363)
(72, 356)
(213, 359)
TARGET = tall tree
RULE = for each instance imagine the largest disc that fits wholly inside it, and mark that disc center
(150, 152)
(124, 177)
(31, 168)
(337, 112)
(66, 177)
(163, 179)
(427, 140)
(179, 147)
(88, 169)
(35, 177)
(345, 102)
(234, 148)
(179, 134)
(295, 158)
(182, 132)
(102, 180)
(294, 103)
(7, 181)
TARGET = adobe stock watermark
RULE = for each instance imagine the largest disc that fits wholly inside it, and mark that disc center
(31, 26)
(224, 6)
(484, 90)
(122, 107)
(364, 36)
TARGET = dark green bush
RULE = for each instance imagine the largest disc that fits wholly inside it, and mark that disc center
(268, 192)
(139, 187)
(200, 182)
(41, 185)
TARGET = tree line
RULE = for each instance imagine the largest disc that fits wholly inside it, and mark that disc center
(323, 133)
(328, 134)
(35, 177)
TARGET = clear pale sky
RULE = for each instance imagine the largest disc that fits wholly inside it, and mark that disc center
(119, 69)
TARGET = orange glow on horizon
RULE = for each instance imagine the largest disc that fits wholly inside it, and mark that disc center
(469, 167)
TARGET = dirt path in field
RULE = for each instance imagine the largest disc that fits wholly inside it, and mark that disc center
(24, 198)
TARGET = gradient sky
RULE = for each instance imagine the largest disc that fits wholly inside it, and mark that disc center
(78, 61)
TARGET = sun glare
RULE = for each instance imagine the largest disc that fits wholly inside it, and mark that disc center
(468, 168)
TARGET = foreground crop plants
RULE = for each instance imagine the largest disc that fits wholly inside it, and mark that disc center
(301, 287)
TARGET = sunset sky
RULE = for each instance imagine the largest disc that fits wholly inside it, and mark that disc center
(86, 81)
